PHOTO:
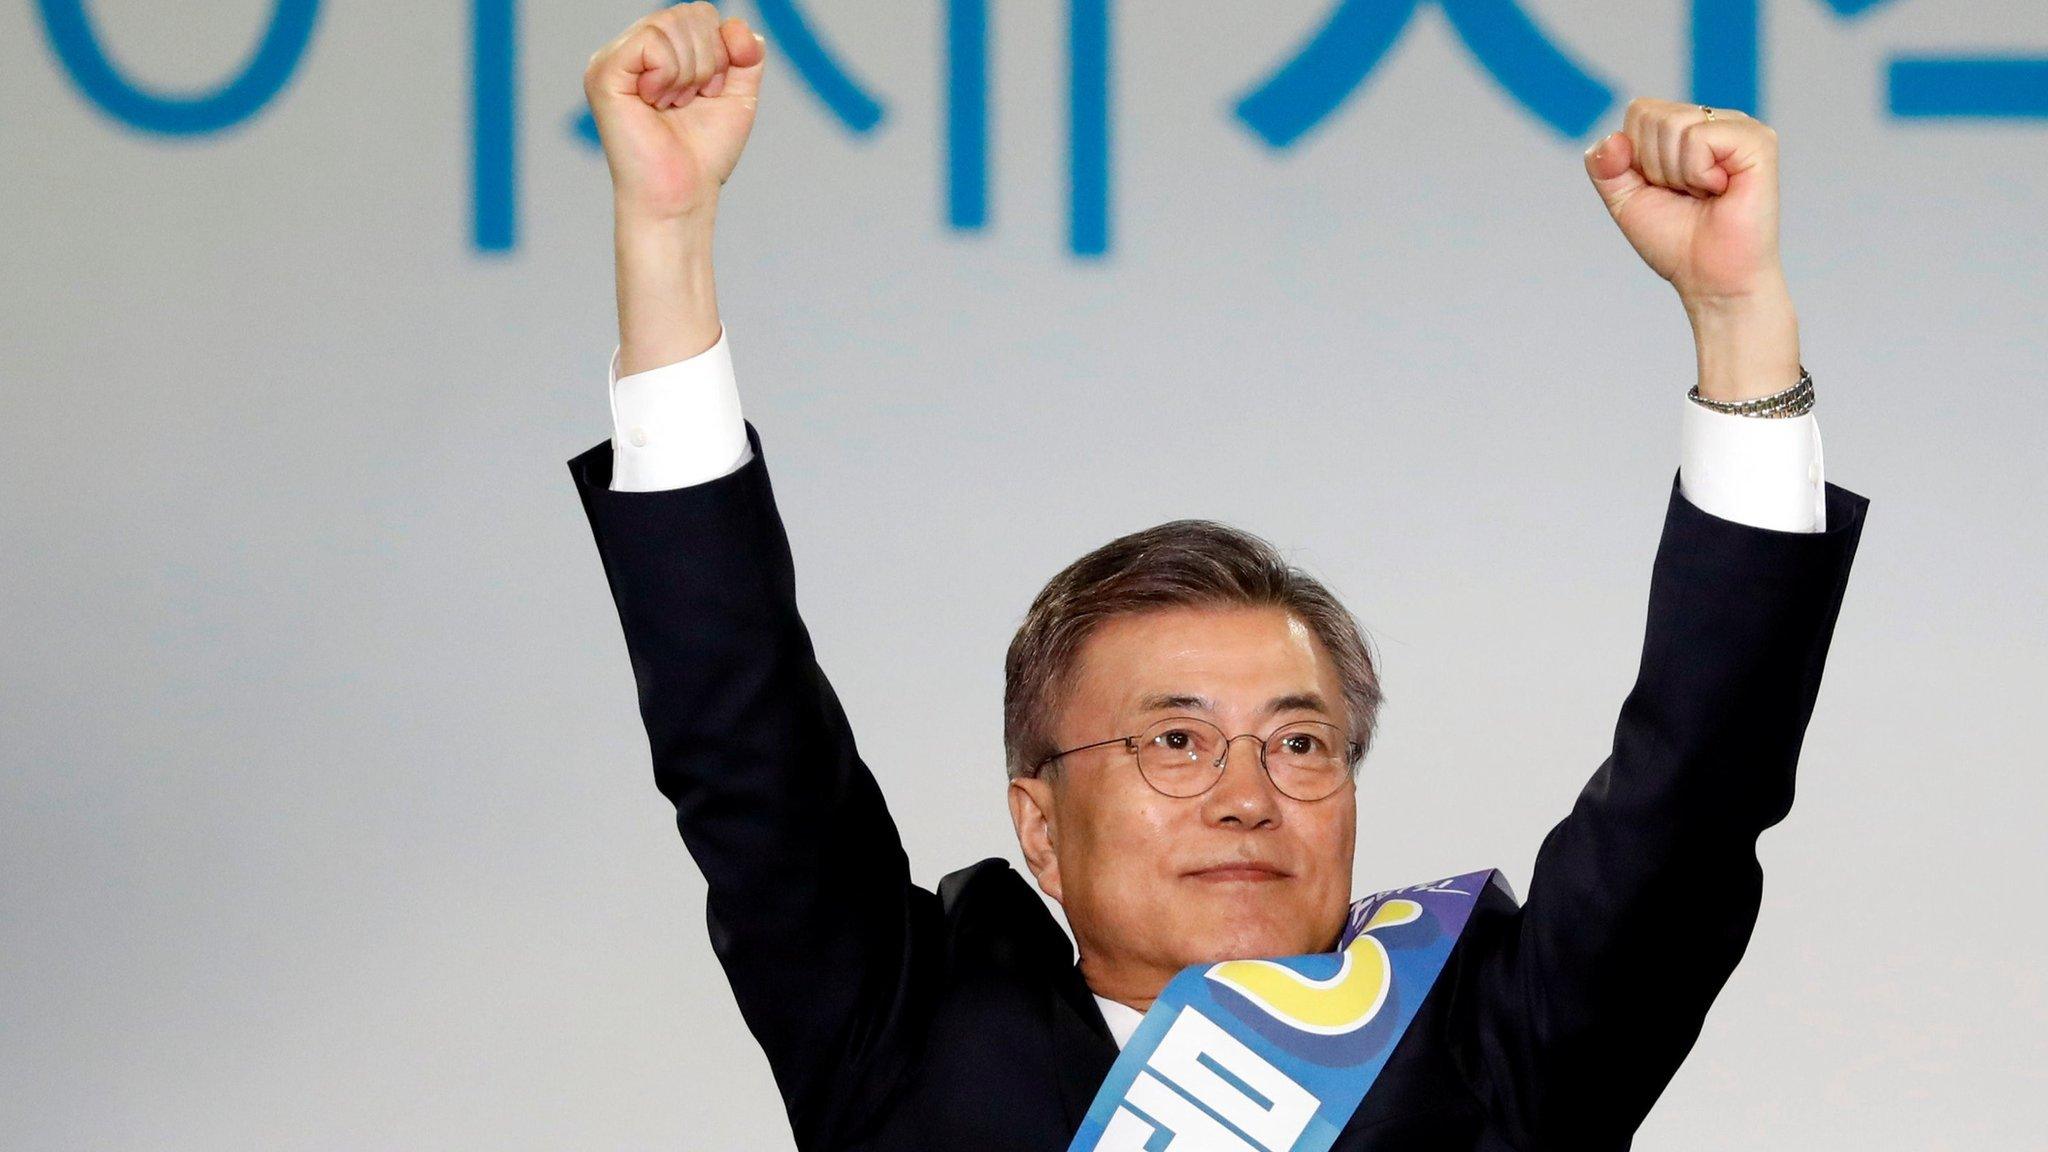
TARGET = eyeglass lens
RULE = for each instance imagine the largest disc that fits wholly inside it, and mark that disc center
(1183, 756)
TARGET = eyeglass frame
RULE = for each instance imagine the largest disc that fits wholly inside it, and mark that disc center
(1353, 750)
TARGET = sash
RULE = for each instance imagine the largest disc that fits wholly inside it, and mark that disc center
(1275, 1055)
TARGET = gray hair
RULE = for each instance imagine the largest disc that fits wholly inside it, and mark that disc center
(1182, 563)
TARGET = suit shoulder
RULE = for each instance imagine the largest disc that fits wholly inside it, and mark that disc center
(992, 914)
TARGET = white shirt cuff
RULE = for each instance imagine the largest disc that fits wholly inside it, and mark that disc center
(679, 424)
(1754, 470)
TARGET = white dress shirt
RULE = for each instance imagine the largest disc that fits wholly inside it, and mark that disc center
(680, 424)
(1123, 1020)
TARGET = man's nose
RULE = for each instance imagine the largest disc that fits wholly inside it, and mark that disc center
(1243, 795)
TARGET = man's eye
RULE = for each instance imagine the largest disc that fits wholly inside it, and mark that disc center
(1302, 743)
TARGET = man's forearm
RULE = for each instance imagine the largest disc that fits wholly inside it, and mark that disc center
(1747, 346)
(668, 301)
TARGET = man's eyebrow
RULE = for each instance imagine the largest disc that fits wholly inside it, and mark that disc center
(1164, 701)
(1292, 702)
(1297, 702)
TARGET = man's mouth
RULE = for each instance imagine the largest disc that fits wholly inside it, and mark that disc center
(1238, 871)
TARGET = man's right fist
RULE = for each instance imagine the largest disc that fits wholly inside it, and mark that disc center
(674, 100)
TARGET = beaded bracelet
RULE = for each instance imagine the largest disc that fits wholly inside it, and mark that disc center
(1794, 401)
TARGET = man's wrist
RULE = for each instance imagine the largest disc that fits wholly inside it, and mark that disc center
(1747, 346)
(630, 215)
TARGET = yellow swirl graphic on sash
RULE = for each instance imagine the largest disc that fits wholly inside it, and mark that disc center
(1342, 1003)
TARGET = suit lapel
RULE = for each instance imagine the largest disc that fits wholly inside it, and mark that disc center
(1083, 1049)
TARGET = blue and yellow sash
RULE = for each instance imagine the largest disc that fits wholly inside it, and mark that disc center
(1275, 1055)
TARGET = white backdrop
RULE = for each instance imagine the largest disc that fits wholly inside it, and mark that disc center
(325, 814)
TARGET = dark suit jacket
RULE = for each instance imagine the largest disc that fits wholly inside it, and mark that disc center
(894, 1017)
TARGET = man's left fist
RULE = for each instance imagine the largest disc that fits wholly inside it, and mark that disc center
(1698, 198)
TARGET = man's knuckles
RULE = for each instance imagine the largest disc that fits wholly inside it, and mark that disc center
(696, 31)
(619, 57)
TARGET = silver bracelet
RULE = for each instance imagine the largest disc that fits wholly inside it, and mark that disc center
(1794, 401)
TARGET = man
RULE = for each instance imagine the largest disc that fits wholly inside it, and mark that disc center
(899, 1018)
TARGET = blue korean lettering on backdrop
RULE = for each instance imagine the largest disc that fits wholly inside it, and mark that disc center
(1532, 66)
(241, 96)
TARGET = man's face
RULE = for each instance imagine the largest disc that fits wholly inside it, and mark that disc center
(1151, 883)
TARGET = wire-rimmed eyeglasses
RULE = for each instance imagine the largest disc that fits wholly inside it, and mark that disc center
(1183, 756)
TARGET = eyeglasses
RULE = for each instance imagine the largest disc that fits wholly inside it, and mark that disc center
(1183, 756)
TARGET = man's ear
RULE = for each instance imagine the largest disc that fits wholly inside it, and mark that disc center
(1032, 811)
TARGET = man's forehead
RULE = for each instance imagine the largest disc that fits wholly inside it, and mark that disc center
(1206, 660)
(1196, 634)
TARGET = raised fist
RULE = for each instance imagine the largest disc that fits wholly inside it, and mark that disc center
(1697, 198)
(674, 100)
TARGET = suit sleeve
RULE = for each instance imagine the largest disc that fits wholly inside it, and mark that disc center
(810, 904)
(1572, 1014)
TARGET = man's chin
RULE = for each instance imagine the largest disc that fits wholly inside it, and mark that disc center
(1245, 925)
(1259, 932)
(1243, 942)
